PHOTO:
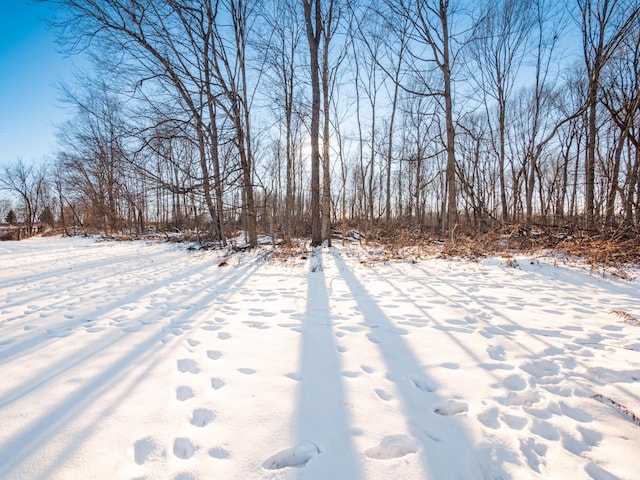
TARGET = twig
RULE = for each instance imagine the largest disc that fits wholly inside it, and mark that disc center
(627, 317)
(625, 410)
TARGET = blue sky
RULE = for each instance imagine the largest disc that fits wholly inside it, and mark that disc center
(30, 67)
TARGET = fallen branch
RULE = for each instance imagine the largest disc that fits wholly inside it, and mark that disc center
(625, 410)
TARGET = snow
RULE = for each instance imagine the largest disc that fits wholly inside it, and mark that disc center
(134, 360)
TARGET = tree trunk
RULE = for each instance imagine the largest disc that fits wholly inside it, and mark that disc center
(313, 27)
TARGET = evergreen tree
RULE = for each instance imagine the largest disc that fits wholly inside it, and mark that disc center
(11, 218)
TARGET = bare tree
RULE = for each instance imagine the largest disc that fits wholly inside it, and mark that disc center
(431, 31)
(283, 37)
(604, 25)
(313, 24)
(620, 89)
(499, 38)
(29, 184)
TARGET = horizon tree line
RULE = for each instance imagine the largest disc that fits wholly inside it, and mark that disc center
(290, 117)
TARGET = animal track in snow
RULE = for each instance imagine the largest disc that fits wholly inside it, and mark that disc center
(187, 365)
(184, 448)
(392, 446)
(224, 335)
(247, 371)
(184, 393)
(297, 456)
(452, 407)
(202, 416)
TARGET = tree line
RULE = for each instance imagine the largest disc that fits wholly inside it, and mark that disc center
(291, 117)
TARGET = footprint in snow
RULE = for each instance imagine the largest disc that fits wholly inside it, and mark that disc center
(192, 342)
(297, 456)
(146, 449)
(373, 338)
(224, 336)
(392, 446)
(422, 383)
(450, 365)
(183, 448)
(541, 368)
(211, 328)
(258, 325)
(514, 383)
(202, 416)
(532, 451)
(575, 413)
(573, 445)
(214, 354)
(183, 393)
(218, 452)
(489, 418)
(59, 332)
(217, 383)
(452, 407)
(383, 395)
(247, 371)
(186, 476)
(544, 430)
(187, 365)
(514, 422)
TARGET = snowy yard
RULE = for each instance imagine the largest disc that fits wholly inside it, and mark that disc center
(136, 360)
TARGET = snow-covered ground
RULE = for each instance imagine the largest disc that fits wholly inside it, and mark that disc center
(133, 360)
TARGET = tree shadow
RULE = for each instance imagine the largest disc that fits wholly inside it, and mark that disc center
(120, 374)
(446, 446)
(322, 417)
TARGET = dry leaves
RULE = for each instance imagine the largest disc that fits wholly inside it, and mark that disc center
(627, 317)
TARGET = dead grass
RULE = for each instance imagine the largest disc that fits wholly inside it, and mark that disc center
(613, 253)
